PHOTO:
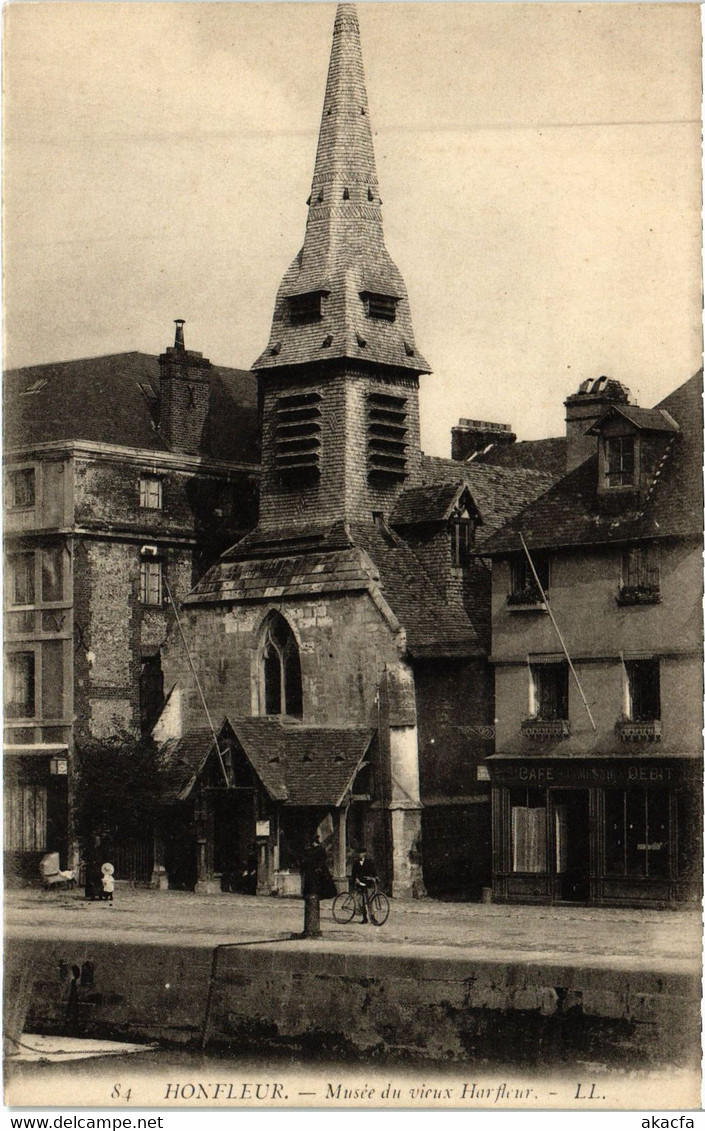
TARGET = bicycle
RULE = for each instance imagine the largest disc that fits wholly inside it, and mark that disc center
(347, 903)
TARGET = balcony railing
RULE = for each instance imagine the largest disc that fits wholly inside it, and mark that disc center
(642, 730)
(639, 595)
(545, 729)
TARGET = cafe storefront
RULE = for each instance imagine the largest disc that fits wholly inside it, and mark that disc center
(612, 831)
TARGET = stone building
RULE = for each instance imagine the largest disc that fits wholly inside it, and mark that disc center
(597, 775)
(125, 476)
(341, 646)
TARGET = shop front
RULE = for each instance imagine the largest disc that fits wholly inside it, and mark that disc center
(600, 831)
(35, 794)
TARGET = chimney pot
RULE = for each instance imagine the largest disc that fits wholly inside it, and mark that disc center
(179, 334)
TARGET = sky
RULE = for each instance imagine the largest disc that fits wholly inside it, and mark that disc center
(539, 166)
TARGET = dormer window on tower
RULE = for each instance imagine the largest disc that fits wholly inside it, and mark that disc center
(386, 436)
(383, 307)
(297, 432)
(306, 308)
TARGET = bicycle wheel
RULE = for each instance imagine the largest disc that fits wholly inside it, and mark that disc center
(379, 908)
(344, 907)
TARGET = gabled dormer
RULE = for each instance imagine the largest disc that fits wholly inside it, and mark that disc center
(632, 444)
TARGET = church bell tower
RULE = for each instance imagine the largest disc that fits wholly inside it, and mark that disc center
(338, 381)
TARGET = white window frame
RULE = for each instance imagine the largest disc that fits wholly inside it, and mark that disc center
(10, 485)
(34, 651)
(151, 582)
(151, 492)
(13, 603)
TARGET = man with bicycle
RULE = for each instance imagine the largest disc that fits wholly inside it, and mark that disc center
(364, 876)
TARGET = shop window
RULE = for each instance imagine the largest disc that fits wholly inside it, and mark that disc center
(524, 590)
(637, 832)
(21, 488)
(280, 670)
(643, 698)
(640, 575)
(690, 835)
(25, 817)
(620, 461)
(528, 829)
(20, 685)
(151, 582)
(151, 493)
(548, 691)
(21, 578)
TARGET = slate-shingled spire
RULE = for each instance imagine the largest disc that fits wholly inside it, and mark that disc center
(343, 259)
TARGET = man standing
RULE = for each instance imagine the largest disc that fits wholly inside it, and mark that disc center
(364, 876)
(313, 870)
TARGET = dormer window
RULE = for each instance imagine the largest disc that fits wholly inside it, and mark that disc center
(462, 536)
(620, 461)
(305, 308)
(383, 307)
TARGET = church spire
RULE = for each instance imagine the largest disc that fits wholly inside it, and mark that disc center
(343, 297)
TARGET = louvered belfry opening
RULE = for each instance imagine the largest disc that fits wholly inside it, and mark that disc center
(297, 436)
(305, 308)
(386, 436)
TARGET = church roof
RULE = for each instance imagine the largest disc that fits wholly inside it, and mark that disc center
(339, 559)
(110, 400)
(344, 258)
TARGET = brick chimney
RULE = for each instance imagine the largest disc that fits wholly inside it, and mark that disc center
(582, 409)
(470, 436)
(184, 394)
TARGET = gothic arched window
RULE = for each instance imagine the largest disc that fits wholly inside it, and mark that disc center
(280, 670)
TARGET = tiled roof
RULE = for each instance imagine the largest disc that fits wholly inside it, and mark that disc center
(299, 765)
(108, 399)
(568, 513)
(433, 627)
(648, 419)
(344, 254)
(498, 492)
(269, 578)
(302, 765)
(183, 758)
(337, 559)
(432, 503)
(547, 455)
